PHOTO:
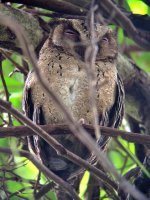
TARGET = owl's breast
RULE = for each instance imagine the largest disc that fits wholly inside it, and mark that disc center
(73, 91)
(69, 80)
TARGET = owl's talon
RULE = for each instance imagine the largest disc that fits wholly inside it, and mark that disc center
(81, 121)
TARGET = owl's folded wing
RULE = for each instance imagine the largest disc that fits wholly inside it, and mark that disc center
(113, 118)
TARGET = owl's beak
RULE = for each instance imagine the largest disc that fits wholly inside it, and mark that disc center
(80, 50)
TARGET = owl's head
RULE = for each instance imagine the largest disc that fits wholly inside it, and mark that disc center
(73, 37)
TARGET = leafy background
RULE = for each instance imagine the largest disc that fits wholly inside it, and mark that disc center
(19, 181)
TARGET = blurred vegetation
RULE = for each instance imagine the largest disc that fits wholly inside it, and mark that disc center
(18, 176)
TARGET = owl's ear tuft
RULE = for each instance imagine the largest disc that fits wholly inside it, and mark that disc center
(56, 35)
(62, 33)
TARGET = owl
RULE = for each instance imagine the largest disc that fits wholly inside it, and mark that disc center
(62, 64)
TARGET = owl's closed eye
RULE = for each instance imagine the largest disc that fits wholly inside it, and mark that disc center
(107, 46)
(73, 37)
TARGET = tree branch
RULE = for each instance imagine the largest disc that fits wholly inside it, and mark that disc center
(8, 40)
(53, 5)
(120, 18)
(62, 129)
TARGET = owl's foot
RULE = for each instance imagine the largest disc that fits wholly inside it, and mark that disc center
(81, 121)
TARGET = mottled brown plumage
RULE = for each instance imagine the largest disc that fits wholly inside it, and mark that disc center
(62, 64)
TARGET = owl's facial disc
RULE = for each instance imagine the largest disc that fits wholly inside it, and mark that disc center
(64, 36)
(107, 46)
(73, 38)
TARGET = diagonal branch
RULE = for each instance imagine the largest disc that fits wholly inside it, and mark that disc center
(30, 24)
(120, 18)
(57, 146)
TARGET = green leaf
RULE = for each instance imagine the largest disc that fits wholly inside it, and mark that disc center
(116, 159)
(120, 37)
(84, 184)
(12, 85)
(142, 60)
(16, 99)
(138, 7)
(28, 171)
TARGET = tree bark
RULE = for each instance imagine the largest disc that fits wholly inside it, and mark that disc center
(8, 40)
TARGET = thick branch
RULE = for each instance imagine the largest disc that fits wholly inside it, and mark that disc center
(54, 5)
(64, 129)
(8, 40)
(118, 16)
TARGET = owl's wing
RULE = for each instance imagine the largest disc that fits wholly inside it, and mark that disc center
(32, 112)
(113, 117)
(44, 152)
(117, 111)
(27, 104)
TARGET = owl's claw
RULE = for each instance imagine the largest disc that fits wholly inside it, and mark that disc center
(81, 121)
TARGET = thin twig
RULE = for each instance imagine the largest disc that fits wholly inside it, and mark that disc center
(37, 182)
(133, 158)
(91, 53)
(20, 191)
(20, 68)
(53, 15)
(4, 186)
(44, 169)
(124, 22)
(44, 190)
(6, 92)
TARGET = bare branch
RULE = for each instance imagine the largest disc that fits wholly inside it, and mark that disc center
(124, 22)
(20, 68)
(5, 88)
(62, 129)
(91, 52)
(8, 40)
(53, 5)
(44, 190)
